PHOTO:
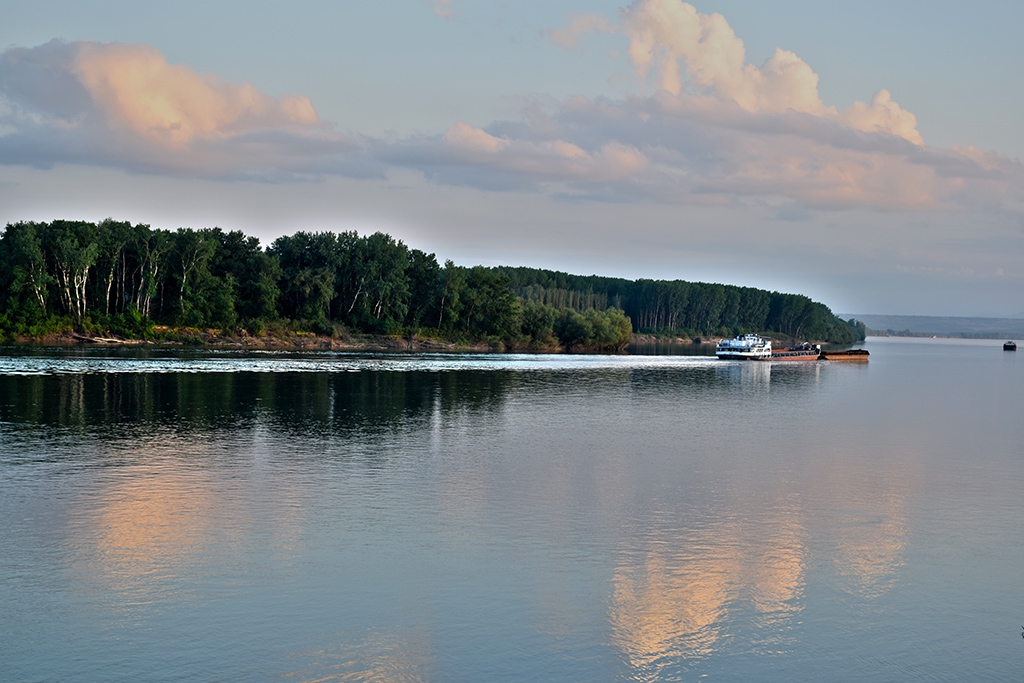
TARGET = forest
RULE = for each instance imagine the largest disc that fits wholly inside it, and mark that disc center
(681, 308)
(131, 280)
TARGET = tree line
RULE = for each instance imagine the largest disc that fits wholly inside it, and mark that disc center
(681, 308)
(126, 279)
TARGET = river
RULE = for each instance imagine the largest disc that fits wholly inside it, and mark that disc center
(190, 515)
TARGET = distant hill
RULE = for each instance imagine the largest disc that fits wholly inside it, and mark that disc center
(942, 326)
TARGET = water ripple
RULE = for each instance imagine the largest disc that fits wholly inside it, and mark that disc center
(58, 364)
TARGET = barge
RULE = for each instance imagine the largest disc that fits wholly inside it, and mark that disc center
(855, 355)
(805, 351)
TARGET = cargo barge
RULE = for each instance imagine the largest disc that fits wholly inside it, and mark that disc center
(855, 355)
(805, 351)
(755, 347)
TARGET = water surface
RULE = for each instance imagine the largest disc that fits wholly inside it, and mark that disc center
(183, 515)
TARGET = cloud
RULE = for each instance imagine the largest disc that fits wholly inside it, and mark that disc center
(667, 37)
(124, 105)
(665, 33)
(551, 158)
(883, 115)
(582, 24)
(443, 8)
(716, 130)
(172, 105)
(466, 155)
(690, 149)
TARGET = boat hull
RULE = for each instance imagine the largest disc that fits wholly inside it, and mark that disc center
(744, 347)
(738, 355)
(784, 356)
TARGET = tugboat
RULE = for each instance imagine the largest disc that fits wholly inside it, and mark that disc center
(1010, 346)
(745, 347)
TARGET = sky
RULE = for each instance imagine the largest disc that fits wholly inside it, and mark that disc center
(866, 154)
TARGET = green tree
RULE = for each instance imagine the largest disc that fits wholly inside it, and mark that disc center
(252, 275)
(26, 259)
(194, 249)
(426, 287)
(538, 323)
(111, 238)
(573, 329)
(73, 250)
(149, 249)
(453, 285)
(386, 286)
(489, 306)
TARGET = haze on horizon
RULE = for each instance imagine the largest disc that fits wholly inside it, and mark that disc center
(868, 156)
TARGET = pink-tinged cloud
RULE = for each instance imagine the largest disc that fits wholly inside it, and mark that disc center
(443, 8)
(696, 149)
(462, 135)
(518, 163)
(173, 105)
(582, 24)
(124, 105)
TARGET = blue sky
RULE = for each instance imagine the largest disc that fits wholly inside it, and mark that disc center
(873, 162)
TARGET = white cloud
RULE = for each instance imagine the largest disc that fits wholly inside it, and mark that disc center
(883, 115)
(667, 34)
(668, 37)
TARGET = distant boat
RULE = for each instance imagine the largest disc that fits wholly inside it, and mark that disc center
(1010, 346)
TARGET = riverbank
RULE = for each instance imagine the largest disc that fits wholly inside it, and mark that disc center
(342, 341)
(295, 341)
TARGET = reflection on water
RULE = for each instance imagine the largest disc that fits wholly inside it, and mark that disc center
(869, 526)
(871, 551)
(671, 349)
(751, 375)
(377, 658)
(147, 532)
(664, 609)
(364, 401)
(115, 403)
(403, 518)
(672, 598)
